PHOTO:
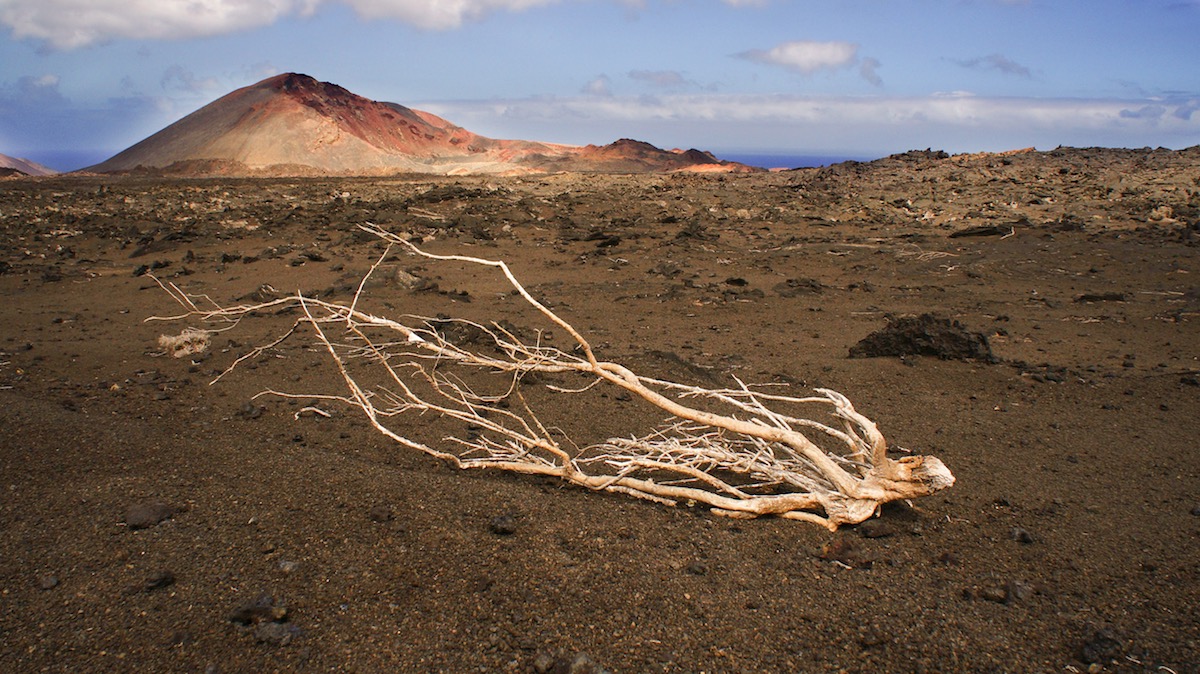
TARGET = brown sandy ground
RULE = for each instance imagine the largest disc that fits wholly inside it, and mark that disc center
(1069, 542)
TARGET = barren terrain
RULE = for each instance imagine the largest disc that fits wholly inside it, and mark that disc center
(153, 522)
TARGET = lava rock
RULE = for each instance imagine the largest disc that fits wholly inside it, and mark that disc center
(277, 634)
(503, 525)
(794, 287)
(1104, 645)
(381, 514)
(875, 529)
(1021, 535)
(158, 580)
(846, 552)
(556, 663)
(262, 609)
(149, 514)
(925, 335)
(982, 230)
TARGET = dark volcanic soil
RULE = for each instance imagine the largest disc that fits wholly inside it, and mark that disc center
(151, 522)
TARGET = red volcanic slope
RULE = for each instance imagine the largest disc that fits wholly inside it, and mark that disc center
(294, 124)
(16, 164)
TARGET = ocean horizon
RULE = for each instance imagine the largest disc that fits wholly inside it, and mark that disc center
(769, 160)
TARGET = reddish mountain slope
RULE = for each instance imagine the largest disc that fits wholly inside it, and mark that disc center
(16, 165)
(293, 124)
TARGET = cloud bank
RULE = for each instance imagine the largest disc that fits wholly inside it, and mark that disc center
(956, 122)
(70, 24)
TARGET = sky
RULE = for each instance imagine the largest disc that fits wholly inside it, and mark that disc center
(81, 80)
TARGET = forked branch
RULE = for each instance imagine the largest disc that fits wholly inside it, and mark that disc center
(742, 451)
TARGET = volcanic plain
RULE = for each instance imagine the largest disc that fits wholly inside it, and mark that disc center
(154, 521)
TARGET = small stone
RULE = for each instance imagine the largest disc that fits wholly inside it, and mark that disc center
(876, 529)
(262, 609)
(1021, 535)
(503, 525)
(1016, 591)
(277, 634)
(543, 663)
(288, 566)
(48, 582)
(847, 553)
(1196, 511)
(580, 663)
(697, 568)
(249, 410)
(380, 513)
(993, 594)
(1104, 645)
(146, 515)
(159, 580)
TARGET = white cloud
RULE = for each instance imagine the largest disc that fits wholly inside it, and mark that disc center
(600, 85)
(806, 56)
(438, 14)
(72, 24)
(809, 57)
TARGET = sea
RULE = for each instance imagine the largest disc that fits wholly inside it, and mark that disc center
(770, 160)
(67, 160)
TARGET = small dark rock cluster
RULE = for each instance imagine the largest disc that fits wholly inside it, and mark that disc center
(925, 335)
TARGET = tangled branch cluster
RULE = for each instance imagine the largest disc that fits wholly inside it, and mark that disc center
(732, 449)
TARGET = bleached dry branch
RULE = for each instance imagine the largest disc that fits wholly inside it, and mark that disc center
(742, 451)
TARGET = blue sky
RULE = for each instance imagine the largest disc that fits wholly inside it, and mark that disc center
(82, 79)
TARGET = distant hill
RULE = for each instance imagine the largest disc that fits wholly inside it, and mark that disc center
(292, 124)
(15, 165)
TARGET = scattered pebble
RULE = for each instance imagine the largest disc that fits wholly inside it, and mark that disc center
(381, 513)
(262, 609)
(1021, 535)
(1017, 591)
(249, 410)
(277, 634)
(1012, 592)
(146, 515)
(159, 580)
(503, 525)
(556, 663)
(48, 582)
(992, 594)
(845, 552)
(876, 529)
(1104, 645)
